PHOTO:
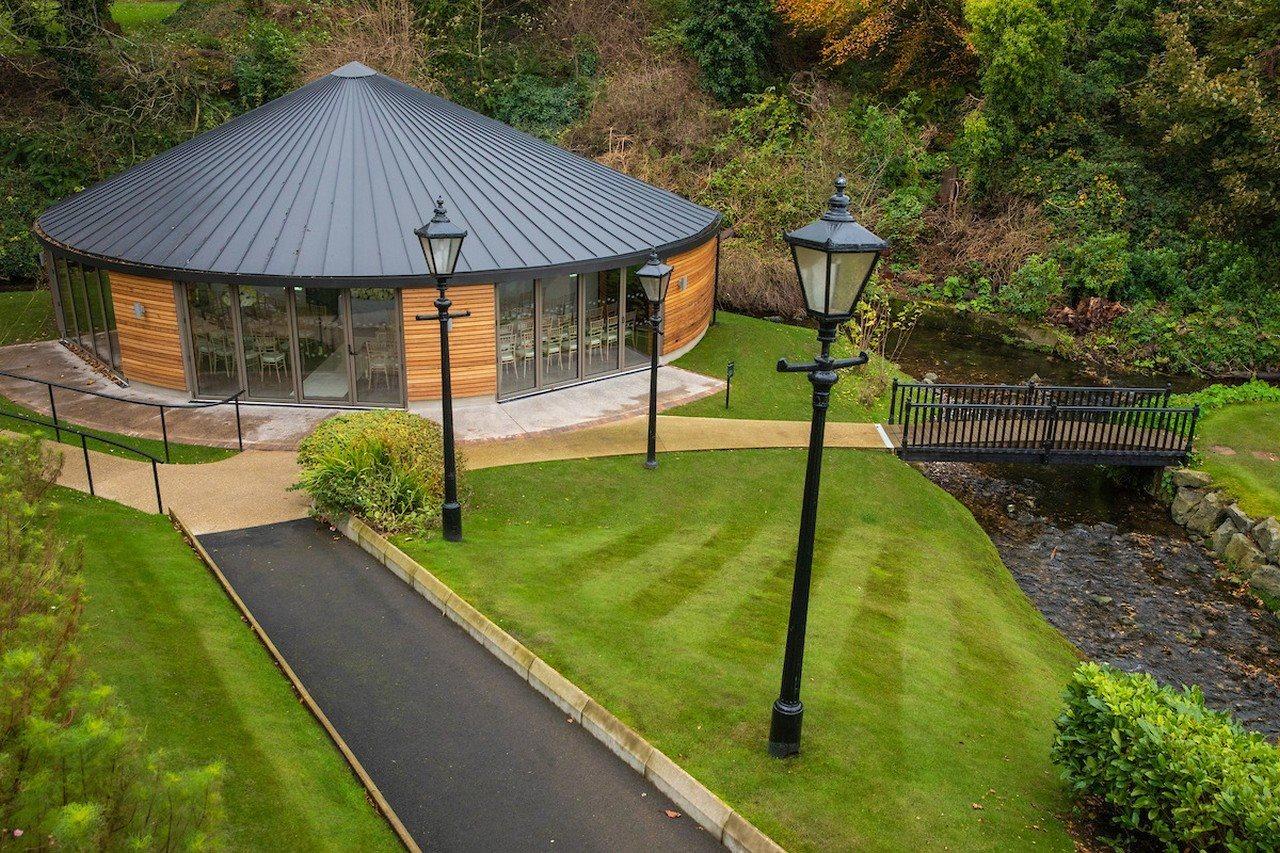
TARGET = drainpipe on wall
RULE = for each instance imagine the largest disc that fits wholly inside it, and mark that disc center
(715, 283)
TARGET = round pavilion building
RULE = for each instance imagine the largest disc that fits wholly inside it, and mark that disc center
(276, 254)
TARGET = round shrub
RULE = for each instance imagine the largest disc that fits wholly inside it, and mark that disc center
(384, 466)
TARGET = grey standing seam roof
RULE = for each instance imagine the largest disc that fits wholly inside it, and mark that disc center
(328, 182)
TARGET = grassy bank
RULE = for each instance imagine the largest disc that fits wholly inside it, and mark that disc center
(759, 390)
(178, 453)
(139, 15)
(160, 630)
(1240, 447)
(25, 316)
(931, 682)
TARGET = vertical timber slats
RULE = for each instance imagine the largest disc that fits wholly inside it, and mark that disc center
(472, 343)
(150, 345)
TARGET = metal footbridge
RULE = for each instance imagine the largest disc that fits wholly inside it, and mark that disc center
(1048, 424)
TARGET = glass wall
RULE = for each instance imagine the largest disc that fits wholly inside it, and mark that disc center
(560, 329)
(516, 334)
(266, 342)
(602, 328)
(213, 348)
(284, 344)
(375, 336)
(85, 311)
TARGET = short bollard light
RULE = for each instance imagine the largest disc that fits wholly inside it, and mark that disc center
(834, 257)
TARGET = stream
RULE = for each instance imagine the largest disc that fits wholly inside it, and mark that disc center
(1101, 560)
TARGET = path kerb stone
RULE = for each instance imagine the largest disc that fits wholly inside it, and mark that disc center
(711, 813)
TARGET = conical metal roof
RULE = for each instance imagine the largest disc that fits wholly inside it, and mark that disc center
(328, 183)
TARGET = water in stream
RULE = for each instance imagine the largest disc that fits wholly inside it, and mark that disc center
(1103, 561)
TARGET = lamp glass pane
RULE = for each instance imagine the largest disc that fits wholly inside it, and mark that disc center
(812, 264)
(444, 254)
(849, 272)
(655, 286)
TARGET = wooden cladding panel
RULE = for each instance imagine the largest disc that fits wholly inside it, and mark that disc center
(150, 345)
(688, 311)
(472, 343)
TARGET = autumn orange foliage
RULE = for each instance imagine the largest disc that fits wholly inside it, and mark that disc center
(917, 35)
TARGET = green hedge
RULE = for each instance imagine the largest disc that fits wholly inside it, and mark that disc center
(384, 466)
(1166, 766)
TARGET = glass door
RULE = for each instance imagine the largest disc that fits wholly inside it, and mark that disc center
(602, 329)
(266, 342)
(375, 337)
(559, 316)
(517, 336)
(213, 347)
(637, 335)
(324, 358)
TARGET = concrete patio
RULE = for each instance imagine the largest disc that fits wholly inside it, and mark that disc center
(268, 427)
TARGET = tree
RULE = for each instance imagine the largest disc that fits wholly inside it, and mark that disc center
(924, 38)
(729, 40)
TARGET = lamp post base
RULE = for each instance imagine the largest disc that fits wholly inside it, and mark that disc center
(784, 729)
(651, 464)
(451, 521)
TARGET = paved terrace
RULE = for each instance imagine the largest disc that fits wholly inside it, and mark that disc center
(282, 427)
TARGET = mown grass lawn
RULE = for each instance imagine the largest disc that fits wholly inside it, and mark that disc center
(1252, 473)
(137, 15)
(931, 682)
(159, 629)
(759, 391)
(178, 453)
(25, 316)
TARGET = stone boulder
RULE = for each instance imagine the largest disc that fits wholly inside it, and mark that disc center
(1243, 554)
(1218, 541)
(1267, 534)
(1267, 579)
(1184, 502)
(1191, 478)
(1239, 518)
(1204, 517)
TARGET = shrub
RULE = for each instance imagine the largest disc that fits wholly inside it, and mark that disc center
(1035, 285)
(75, 771)
(729, 41)
(384, 466)
(1166, 766)
(1217, 396)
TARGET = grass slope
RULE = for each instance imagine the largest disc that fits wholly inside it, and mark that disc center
(759, 390)
(25, 316)
(161, 631)
(178, 453)
(1252, 474)
(931, 682)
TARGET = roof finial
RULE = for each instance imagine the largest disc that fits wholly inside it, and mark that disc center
(838, 204)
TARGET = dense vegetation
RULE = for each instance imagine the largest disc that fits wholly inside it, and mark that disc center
(76, 772)
(1111, 169)
(1166, 767)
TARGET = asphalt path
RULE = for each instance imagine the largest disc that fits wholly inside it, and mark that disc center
(469, 756)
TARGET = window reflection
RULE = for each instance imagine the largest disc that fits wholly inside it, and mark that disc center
(375, 324)
(85, 310)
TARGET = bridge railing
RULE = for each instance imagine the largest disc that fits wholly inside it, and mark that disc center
(1030, 394)
(1141, 434)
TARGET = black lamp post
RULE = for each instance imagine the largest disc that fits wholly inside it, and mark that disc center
(654, 277)
(441, 242)
(834, 258)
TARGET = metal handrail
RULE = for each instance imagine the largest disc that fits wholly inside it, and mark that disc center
(1029, 393)
(84, 449)
(1048, 428)
(164, 426)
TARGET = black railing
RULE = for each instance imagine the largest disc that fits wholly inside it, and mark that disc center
(85, 438)
(59, 427)
(1132, 435)
(1030, 394)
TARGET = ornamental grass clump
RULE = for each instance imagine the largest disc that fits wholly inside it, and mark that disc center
(385, 467)
(1165, 766)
